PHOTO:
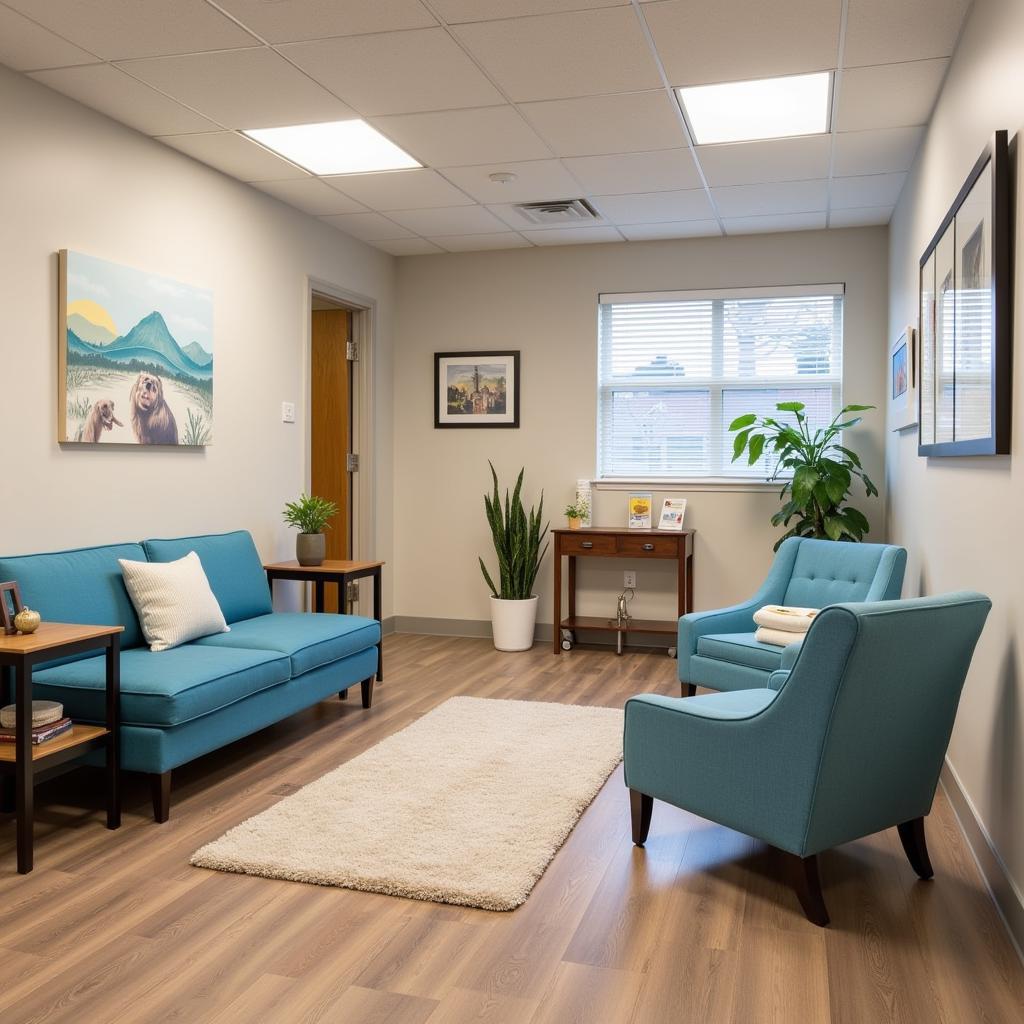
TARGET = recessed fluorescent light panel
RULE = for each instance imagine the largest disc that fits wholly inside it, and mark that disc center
(334, 147)
(767, 108)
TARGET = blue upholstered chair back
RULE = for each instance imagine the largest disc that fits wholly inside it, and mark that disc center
(824, 572)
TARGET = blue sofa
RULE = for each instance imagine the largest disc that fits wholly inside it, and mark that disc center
(179, 704)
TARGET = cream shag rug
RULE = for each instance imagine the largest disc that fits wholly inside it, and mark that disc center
(468, 805)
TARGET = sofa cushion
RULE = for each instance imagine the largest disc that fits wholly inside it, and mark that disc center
(740, 649)
(84, 586)
(309, 639)
(165, 688)
(232, 565)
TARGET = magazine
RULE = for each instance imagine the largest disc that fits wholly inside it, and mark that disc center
(672, 512)
(640, 511)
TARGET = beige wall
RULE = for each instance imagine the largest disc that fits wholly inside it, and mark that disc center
(70, 178)
(544, 302)
(961, 518)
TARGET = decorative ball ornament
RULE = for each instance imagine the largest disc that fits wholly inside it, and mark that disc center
(27, 621)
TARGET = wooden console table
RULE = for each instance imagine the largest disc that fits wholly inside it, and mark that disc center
(612, 542)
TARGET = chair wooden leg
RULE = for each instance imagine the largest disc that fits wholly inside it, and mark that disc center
(807, 884)
(367, 688)
(161, 788)
(343, 695)
(914, 846)
(640, 808)
(688, 689)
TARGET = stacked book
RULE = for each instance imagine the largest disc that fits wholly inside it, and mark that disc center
(782, 625)
(48, 721)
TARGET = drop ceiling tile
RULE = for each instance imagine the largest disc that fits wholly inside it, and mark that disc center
(234, 155)
(370, 227)
(730, 40)
(884, 32)
(596, 125)
(551, 56)
(671, 229)
(513, 217)
(400, 190)
(477, 243)
(650, 207)
(408, 246)
(110, 91)
(876, 152)
(396, 72)
(131, 28)
(573, 236)
(862, 217)
(749, 163)
(241, 88)
(312, 196)
(24, 45)
(452, 138)
(454, 11)
(451, 220)
(774, 222)
(616, 174)
(317, 19)
(889, 96)
(536, 180)
(867, 190)
(771, 199)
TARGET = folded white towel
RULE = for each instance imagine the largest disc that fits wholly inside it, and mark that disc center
(778, 637)
(785, 617)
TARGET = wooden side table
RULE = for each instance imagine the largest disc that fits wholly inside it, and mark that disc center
(615, 542)
(333, 570)
(32, 763)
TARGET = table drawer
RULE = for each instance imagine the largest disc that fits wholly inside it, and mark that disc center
(651, 547)
(594, 544)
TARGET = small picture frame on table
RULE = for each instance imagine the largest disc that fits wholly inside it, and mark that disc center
(640, 510)
(10, 605)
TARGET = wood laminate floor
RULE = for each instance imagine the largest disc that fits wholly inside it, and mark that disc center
(116, 926)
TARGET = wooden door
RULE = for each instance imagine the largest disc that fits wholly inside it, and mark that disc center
(331, 426)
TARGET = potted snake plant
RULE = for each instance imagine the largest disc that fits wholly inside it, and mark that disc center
(517, 536)
(311, 516)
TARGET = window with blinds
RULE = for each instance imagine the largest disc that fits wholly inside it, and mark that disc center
(675, 369)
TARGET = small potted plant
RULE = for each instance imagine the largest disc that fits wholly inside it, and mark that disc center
(310, 515)
(576, 513)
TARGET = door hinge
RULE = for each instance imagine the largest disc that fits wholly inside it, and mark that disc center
(352, 463)
(352, 351)
(352, 591)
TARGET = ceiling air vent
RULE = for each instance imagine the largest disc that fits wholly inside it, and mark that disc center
(557, 211)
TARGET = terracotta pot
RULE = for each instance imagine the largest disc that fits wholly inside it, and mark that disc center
(310, 548)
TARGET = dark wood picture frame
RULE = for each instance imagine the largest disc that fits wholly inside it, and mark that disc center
(6, 614)
(997, 252)
(480, 421)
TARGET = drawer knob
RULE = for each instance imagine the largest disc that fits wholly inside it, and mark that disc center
(586, 543)
(648, 546)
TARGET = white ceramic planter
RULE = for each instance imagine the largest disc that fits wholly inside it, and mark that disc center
(513, 622)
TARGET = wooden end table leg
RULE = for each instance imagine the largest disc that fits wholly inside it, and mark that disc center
(318, 595)
(114, 739)
(378, 615)
(23, 767)
(556, 626)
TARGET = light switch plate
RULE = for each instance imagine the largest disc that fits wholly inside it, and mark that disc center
(287, 412)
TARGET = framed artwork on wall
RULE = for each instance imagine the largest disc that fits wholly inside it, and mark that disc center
(903, 380)
(964, 304)
(135, 356)
(476, 389)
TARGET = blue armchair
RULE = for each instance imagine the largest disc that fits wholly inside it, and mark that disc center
(717, 649)
(848, 742)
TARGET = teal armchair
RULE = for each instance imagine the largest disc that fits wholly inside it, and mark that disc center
(848, 742)
(717, 649)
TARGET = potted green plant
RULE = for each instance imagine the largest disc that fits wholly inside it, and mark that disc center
(823, 471)
(576, 513)
(310, 515)
(517, 536)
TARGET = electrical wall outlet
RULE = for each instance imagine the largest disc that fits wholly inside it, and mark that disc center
(629, 579)
(287, 412)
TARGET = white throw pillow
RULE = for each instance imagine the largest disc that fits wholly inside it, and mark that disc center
(174, 601)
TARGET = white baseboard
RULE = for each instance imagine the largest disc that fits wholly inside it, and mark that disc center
(1007, 897)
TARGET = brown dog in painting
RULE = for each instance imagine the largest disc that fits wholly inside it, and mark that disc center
(152, 419)
(101, 417)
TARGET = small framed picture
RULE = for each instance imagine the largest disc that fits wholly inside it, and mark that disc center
(903, 380)
(476, 389)
(640, 511)
(672, 512)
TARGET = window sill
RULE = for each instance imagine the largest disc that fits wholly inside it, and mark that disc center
(691, 486)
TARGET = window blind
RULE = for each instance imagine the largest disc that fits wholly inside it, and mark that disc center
(675, 369)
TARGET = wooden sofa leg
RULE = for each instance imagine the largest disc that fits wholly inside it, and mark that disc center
(367, 688)
(688, 689)
(161, 786)
(914, 846)
(640, 808)
(807, 883)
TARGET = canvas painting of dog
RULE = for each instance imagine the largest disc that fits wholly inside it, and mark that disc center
(136, 356)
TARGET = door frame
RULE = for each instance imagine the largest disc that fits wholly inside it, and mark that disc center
(363, 495)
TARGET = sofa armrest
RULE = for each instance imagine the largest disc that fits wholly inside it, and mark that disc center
(778, 679)
(729, 705)
(737, 619)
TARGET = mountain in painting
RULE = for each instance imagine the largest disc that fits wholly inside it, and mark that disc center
(197, 353)
(93, 333)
